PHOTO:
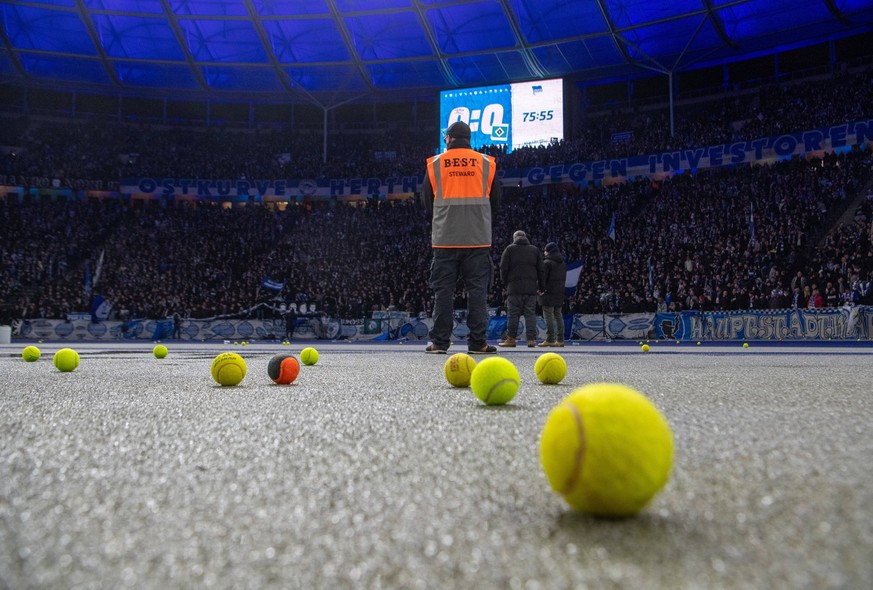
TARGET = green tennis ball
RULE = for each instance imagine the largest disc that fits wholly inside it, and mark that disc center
(458, 369)
(551, 368)
(645, 347)
(66, 360)
(745, 344)
(30, 353)
(160, 351)
(309, 356)
(607, 450)
(495, 381)
(228, 368)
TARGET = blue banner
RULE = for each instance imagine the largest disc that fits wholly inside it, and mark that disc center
(776, 324)
(763, 150)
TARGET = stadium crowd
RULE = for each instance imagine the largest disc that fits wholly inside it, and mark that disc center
(726, 239)
(738, 238)
(108, 151)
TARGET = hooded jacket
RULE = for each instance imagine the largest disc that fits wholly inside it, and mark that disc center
(554, 277)
(521, 268)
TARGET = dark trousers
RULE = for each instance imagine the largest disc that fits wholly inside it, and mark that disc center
(474, 266)
(554, 323)
(518, 305)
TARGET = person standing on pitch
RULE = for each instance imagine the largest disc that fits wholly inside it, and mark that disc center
(521, 270)
(552, 297)
(460, 192)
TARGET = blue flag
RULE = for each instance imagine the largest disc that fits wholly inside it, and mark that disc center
(574, 271)
(267, 283)
(610, 233)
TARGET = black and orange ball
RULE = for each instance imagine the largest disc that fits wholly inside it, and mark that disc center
(283, 369)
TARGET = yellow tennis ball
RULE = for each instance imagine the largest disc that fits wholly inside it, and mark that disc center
(745, 344)
(458, 369)
(606, 449)
(309, 356)
(66, 360)
(30, 353)
(228, 368)
(645, 347)
(160, 351)
(495, 381)
(551, 368)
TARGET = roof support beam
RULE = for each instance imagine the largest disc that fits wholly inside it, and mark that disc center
(687, 45)
(836, 12)
(444, 66)
(180, 39)
(619, 42)
(350, 46)
(13, 55)
(95, 39)
(527, 55)
(268, 47)
(718, 25)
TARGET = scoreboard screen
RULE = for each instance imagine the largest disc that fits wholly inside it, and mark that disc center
(513, 115)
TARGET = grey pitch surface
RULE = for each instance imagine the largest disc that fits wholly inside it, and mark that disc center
(372, 472)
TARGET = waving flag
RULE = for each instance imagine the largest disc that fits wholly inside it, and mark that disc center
(267, 283)
(574, 271)
(610, 233)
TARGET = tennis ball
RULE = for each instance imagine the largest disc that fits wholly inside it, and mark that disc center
(66, 360)
(495, 381)
(745, 344)
(160, 351)
(283, 368)
(228, 368)
(551, 368)
(30, 353)
(458, 369)
(606, 449)
(309, 356)
(645, 347)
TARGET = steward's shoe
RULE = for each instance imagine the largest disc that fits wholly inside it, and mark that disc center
(531, 343)
(545, 344)
(434, 349)
(486, 349)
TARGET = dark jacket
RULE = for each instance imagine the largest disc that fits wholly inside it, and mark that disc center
(521, 268)
(554, 277)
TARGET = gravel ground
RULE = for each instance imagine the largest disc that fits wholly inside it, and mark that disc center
(372, 472)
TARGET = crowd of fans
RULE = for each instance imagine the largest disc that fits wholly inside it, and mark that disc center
(737, 238)
(725, 239)
(108, 151)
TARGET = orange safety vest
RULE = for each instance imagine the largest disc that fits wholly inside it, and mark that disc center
(461, 180)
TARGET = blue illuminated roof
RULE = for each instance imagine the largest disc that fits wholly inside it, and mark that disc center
(329, 51)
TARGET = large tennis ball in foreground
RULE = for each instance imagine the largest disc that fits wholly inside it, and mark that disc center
(495, 381)
(459, 368)
(160, 351)
(228, 368)
(30, 353)
(283, 368)
(66, 360)
(550, 368)
(309, 356)
(607, 450)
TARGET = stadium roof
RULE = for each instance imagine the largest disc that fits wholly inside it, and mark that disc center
(331, 51)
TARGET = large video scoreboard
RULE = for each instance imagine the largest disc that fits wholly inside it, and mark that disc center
(514, 115)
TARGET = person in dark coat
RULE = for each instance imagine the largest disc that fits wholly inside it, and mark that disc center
(521, 270)
(552, 297)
